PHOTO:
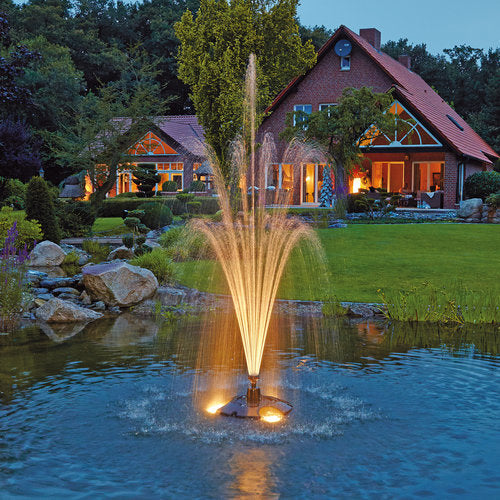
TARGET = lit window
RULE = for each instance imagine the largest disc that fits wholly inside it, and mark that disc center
(345, 63)
(301, 108)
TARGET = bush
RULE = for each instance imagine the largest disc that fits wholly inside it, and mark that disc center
(159, 263)
(96, 250)
(482, 184)
(15, 202)
(182, 243)
(132, 223)
(193, 207)
(353, 205)
(185, 197)
(169, 186)
(40, 207)
(140, 240)
(493, 200)
(28, 232)
(76, 218)
(198, 186)
(71, 259)
(126, 195)
(156, 215)
(128, 240)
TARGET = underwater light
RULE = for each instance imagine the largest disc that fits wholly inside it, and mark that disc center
(256, 405)
(213, 408)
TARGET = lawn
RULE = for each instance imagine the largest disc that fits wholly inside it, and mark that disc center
(109, 226)
(364, 258)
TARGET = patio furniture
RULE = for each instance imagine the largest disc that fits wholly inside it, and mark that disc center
(431, 199)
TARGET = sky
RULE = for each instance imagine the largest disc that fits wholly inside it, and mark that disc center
(438, 23)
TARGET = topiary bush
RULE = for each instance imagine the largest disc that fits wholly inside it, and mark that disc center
(132, 223)
(128, 240)
(482, 184)
(40, 207)
(156, 215)
(169, 186)
(75, 218)
(126, 195)
(185, 197)
(197, 186)
(193, 207)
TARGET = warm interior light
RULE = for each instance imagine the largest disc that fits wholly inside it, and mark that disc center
(270, 415)
(356, 184)
(213, 408)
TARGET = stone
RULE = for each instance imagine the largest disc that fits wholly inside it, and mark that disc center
(99, 306)
(119, 283)
(39, 302)
(470, 208)
(68, 296)
(65, 289)
(121, 253)
(85, 298)
(45, 296)
(59, 332)
(114, 310)
(152, 244)
(63, 311)
(46, 254)
(52, 283)
(39, 291)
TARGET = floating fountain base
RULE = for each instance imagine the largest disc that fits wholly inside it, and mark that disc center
(254, 405)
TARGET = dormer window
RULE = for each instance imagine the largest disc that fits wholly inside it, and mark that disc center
(345, 63)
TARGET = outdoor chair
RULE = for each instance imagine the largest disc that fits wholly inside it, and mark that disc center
(432, 199)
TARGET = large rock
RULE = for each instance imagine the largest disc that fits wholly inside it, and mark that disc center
(121, 253)
(119, 283)
(470, 209)
(46, 254)
(62, 311)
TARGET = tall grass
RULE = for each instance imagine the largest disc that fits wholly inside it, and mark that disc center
(453, 304)
(158, 261)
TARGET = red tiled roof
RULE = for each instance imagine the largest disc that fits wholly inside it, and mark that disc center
(419, 95)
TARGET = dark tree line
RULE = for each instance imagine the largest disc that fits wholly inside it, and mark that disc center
(54, 54)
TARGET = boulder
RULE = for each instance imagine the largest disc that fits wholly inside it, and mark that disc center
(65, 289)
(85, 298)
(59, 282)
(152, 244)
(470, 208)
(121, 253)
(119, 283)
(62, 311)
(46, 254)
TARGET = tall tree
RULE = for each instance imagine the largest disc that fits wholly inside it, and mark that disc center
(214, 52)
(317, 34)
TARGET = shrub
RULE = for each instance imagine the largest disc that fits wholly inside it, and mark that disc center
(185, 197)
(28, 232)
(493, 200)
(128, 240)
(182, 243)
(15, 202)
(75, 218)
(40, 207)
(140, 240)
(126, 195)
(146, 178)
(97, 251)
(198, 186)
(193, 207)
(156, 215)
(71, 258)
(169, 186)
(482, 184)
(132, 223)
(159, 263)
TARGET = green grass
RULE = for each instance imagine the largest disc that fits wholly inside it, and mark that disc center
(109, 226)
(362, 259)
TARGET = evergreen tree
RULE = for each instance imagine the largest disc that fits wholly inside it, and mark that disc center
(326, 193)
(146, 178)
(40, 207)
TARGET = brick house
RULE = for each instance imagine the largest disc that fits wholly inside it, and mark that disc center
(174, 145)
(434, 157)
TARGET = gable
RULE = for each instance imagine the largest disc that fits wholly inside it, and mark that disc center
(151, 145)
(409, 132)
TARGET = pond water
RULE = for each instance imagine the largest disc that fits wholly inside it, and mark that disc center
(380, 411)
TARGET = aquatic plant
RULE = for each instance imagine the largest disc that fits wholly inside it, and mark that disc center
(13, 291)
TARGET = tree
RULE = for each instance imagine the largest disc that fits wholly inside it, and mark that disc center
(40, 207)
(19, 157)
(214, 52)
(107, 123)
(342, 131)
(317, 34)
(146, 178)
(12, 95)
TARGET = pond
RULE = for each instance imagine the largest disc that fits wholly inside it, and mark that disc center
(380, 411)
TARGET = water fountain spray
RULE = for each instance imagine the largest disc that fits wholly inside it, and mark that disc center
(252, 248)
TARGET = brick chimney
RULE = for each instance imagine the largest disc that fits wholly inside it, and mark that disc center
(405, 60)
(372, 36)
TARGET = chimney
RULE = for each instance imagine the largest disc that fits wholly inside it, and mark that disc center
(405, 60)
(372, 36)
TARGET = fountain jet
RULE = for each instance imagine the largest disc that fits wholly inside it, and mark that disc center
(252, 245)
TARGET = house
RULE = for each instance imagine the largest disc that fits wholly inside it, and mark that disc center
(174, 145)
(431, 155)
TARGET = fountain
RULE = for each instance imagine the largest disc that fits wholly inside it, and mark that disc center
(252, 247)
